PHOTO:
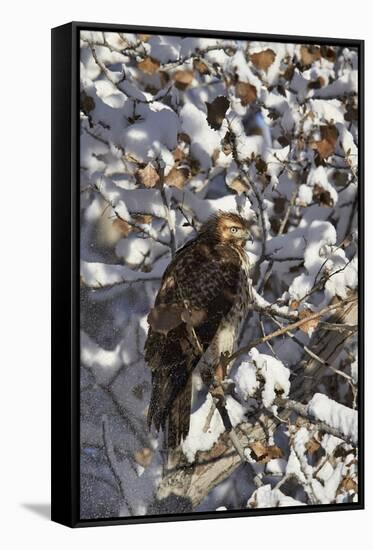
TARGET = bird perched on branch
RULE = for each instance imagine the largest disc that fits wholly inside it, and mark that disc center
(196, 319)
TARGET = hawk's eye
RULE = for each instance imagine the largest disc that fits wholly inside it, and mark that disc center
(234, 229)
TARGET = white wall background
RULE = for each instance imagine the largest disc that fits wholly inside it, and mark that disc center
(25, 271)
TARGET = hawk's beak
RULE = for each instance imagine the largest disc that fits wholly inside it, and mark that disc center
(248, 236)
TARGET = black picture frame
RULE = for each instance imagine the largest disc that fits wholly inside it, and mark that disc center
(65, 274)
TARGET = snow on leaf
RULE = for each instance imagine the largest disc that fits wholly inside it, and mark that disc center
(110, 94)
(246, 381)
(265, 367)
(266, 497)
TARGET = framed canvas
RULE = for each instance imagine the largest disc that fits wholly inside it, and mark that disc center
(207, 274)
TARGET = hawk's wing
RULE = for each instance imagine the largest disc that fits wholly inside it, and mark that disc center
(207, 278)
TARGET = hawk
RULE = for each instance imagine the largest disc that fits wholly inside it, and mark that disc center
(196, 318)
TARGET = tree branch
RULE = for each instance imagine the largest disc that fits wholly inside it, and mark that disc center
(287, 328)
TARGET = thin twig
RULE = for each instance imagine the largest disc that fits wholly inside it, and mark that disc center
(288, 328)
(170, 223)
(269, 267)
(159, 95)
(313, 355)
(338, 327)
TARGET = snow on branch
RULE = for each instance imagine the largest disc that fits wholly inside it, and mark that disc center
(97, 275)
(340, 417)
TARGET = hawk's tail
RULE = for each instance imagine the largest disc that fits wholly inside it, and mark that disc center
(170, 403)
(179, 416)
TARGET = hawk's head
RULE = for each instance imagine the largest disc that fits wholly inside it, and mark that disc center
(227, 227)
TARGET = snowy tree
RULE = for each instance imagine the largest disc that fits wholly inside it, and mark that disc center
(172, 130)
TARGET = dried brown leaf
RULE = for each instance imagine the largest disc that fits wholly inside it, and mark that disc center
(123, 228)
(309, 54)
(142, 218)
(148, 176)
(149, 65)
(312, 445)
(322, 196)
(237, 185)
(289, 72)
(259, 450)
(316, 84)
(201, 66)
(326, 146)
(182, 136)
(261, 166)
(308, 326)
(263, 453)
(87, 103)
(329, 132)
(274, 452)
(349, 484)
(178, 154)
(281, 90)
(144, 456)
(183, 79)
(216, 111)
(352, 113)
(328, 53)
(246, 92)
(263, 60)
(143, 37)
(177, 177)
(283, 141)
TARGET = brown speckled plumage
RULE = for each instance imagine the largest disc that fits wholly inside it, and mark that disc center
(210, 273)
